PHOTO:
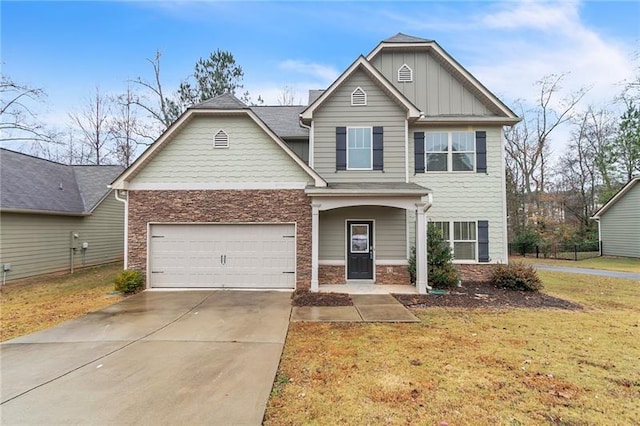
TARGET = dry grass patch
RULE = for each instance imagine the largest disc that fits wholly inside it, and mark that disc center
(38, 303)
(609, 263)
(471, 366)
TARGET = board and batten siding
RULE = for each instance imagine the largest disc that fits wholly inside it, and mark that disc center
(389, 232)
(434, 90)
(337, 111)
(467, 196)
(252, 156)
(620, 226)
(37, 244)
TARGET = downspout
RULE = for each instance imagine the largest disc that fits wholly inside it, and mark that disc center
(310, 129)
(126, 225)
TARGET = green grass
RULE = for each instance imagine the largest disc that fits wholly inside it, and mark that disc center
(610, 263)
(472, 366)
(41, 302)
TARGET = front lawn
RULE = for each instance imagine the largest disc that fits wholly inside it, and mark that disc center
(472, 366)
(41, 302)
(610, 263)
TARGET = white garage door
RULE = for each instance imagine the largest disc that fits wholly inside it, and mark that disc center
(222, 256)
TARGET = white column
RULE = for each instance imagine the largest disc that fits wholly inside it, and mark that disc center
(315, 246)
(421, 249)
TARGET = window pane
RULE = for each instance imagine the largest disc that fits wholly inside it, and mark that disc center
(359, 238)
(462, 141)
(464, 251)
(443, 227)
(359, 148)
(464, 231)
(462, 162)
(437, 162)
(437, 142)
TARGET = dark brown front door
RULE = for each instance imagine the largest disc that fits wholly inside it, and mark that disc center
(360, 250)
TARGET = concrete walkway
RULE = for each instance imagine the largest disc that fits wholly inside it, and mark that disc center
(588, 271)
(156, 358)
(366, 308)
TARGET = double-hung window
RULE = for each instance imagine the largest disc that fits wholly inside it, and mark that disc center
(359, 148)
(464, 241)
(449, 151)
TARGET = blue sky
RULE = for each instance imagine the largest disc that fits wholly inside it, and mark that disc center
(69, 48)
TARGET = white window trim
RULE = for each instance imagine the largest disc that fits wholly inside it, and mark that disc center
(451, 241)
(347, 142)
(410, 74)
(216, 135)
(449, 152)
(364, 95)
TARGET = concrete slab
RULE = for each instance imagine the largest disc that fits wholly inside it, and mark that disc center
(134, 363)
(386, 313)
(367, 288)
(325, 314)
(373, 299)
(29, 365)
(158, 383)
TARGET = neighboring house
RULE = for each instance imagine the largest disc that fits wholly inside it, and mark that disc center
(334, 191)
(619, 222)
(55, 217)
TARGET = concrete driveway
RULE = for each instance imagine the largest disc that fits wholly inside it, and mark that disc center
(191, 357)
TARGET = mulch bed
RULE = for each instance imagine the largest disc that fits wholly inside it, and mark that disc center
(470, 295)
(485, 295)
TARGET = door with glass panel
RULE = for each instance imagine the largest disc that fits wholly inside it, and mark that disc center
(360, 250)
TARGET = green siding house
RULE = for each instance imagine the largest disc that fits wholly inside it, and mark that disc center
(334, 192)
(619, 222)
(55, 217)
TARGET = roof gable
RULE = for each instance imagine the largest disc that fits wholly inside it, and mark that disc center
(403, 42)
(376, 76)
(619, 195)
(35, 184)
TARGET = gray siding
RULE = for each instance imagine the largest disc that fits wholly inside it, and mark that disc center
(434, 90)
(301, 148)
(252, 156)
(380, 110)
(620, 226)
(467, 196)
(37, 244)
(389, 232)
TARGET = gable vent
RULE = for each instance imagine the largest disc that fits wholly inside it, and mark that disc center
(405, 74)
(358, 97)
(221, 139)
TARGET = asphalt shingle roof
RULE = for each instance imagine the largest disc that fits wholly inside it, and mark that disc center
(404, 38)
(283, 120)
(224, 101)
(31, 183)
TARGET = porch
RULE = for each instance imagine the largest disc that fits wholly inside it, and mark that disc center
(367, 288)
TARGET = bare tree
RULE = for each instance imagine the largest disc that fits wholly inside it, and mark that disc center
(288, 96)
(127, 130)
(93, 126)
(527, 144)
(18, 121)
(156, 103)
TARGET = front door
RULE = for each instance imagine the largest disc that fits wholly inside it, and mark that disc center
(360, 250)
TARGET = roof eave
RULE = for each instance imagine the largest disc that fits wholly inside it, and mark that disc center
(602, 210)
(43, 212)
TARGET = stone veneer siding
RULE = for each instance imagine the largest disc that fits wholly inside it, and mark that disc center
(474, 272)
(224, 206)
(385, 274)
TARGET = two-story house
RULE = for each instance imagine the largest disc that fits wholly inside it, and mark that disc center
(333, 191)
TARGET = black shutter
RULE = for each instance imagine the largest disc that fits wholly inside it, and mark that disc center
(378, 161)
(481, 152)
(483, 241)
(341, 148)
(418, 149)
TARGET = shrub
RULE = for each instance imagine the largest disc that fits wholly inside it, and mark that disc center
(526, 240)
(516, 276)
(129, 281)
(441, 272)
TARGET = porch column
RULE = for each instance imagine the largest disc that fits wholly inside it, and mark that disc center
(421, 249)
(315, 233)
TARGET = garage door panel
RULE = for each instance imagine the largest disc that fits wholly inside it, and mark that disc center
(234, 256)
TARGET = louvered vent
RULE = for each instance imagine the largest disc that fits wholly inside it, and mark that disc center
(221, 140)
(405, 74)
(358, 97)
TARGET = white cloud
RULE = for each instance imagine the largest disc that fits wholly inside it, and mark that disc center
(324, 73)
